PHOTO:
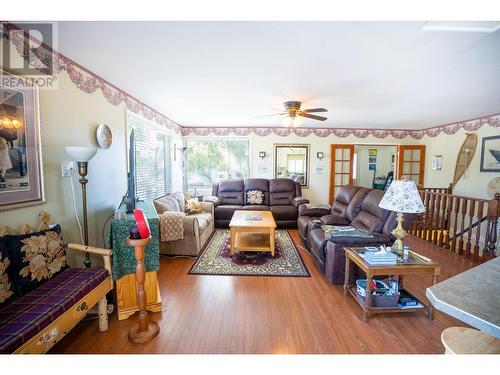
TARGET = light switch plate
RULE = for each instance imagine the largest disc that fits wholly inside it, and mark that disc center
(67, 169)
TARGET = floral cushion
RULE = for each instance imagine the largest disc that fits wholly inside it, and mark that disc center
(35, 258)
(6, 287)
(193, 206)
(255, 197)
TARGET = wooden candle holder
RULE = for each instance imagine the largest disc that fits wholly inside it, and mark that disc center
(146, 329)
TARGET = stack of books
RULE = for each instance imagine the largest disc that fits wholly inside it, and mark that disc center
(381, 257)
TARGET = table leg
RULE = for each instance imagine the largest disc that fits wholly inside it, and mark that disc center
(272, 240)
(401, 281)
(430, 314)
(368, 298)
(347, 274)
(233, 238)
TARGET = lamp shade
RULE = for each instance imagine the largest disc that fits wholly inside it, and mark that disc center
(78, 153)
(402, 196)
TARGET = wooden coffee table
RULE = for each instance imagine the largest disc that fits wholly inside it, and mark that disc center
(252, 235)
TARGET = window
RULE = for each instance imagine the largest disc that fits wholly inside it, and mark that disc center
(213, 160)
(152, 157)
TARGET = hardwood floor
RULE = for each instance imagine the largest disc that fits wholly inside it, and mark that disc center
(229, 314)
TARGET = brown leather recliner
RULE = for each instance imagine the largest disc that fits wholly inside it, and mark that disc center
(346, 206)
(282, 196)
(370, 218)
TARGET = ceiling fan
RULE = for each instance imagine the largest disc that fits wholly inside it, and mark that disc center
(294, 114)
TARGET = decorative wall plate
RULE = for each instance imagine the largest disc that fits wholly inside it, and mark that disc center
(104, 136)
(494, 187)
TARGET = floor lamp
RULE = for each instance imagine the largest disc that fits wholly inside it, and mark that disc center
(82, 156)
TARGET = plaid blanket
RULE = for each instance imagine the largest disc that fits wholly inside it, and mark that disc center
(331, 232)
(172, 226)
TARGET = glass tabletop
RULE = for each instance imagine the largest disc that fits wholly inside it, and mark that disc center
(413, 258)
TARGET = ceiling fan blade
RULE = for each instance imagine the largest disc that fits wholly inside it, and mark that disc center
(274, 114)
(315, 110)
(314, 117)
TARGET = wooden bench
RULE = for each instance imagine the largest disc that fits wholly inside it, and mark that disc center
(56, 306)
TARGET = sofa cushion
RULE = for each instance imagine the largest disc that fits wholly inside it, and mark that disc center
(371, 217)
(25, 317)
(35, 258)
(204, 220)
(226, 212)
(256, 207)
(284, 212)
(231, 192)
(167, 203)
(6, 285)
(281, 192)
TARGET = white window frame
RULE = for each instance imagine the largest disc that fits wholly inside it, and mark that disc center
(132, 117)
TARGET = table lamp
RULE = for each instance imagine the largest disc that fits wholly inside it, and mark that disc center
(82, 156)
(402, 197)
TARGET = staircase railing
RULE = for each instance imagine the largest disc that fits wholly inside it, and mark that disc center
(464, 225)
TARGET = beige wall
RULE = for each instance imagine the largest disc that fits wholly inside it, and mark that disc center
(70, 117)
(474, 183)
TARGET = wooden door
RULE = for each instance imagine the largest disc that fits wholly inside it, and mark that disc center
(411, 163)
(341, 157)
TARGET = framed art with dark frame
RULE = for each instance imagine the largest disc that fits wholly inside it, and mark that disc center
(21, 175)
(490, 154)
(292, 161)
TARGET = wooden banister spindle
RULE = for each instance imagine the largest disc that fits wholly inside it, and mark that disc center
(493, 213)
(480, 209)
(462, 226)
(472, 211)
(437, 209)
(456, 210)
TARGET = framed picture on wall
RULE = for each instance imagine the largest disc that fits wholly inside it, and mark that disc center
(490, 154)
(372, 152)
(437, 162)
(21, 176)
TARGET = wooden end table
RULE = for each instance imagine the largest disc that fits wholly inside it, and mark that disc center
(252, 235)
(416, 264)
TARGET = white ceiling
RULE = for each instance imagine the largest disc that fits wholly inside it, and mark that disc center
(367, 74)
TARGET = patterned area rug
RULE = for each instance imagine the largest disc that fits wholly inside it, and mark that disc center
(215, 259)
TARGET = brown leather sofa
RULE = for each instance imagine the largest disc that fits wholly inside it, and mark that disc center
(282, 196)
(353, 206)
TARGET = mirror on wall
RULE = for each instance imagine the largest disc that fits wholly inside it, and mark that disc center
(374, 166)
(292, 161)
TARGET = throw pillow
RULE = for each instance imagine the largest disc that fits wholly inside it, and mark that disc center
(6, 287)
(35, 258)
(179, 195)
(255, 197)
(167, 203)
(193, 206)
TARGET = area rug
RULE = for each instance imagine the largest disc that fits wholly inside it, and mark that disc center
(216, 260)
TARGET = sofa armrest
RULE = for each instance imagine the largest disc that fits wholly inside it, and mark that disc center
(208, 207)
(212, 199)
(304, 210)
(333, 219)
(377, 239)
(191, 226)
(106, 254)
(297, 201)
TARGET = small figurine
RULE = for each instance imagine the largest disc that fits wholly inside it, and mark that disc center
(5, 229)
(26, 228)
(44, 220)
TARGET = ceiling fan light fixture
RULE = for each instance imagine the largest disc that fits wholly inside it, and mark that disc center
(287, 121)
(296, 121)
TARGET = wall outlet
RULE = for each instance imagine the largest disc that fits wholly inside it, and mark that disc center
(67, 169)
